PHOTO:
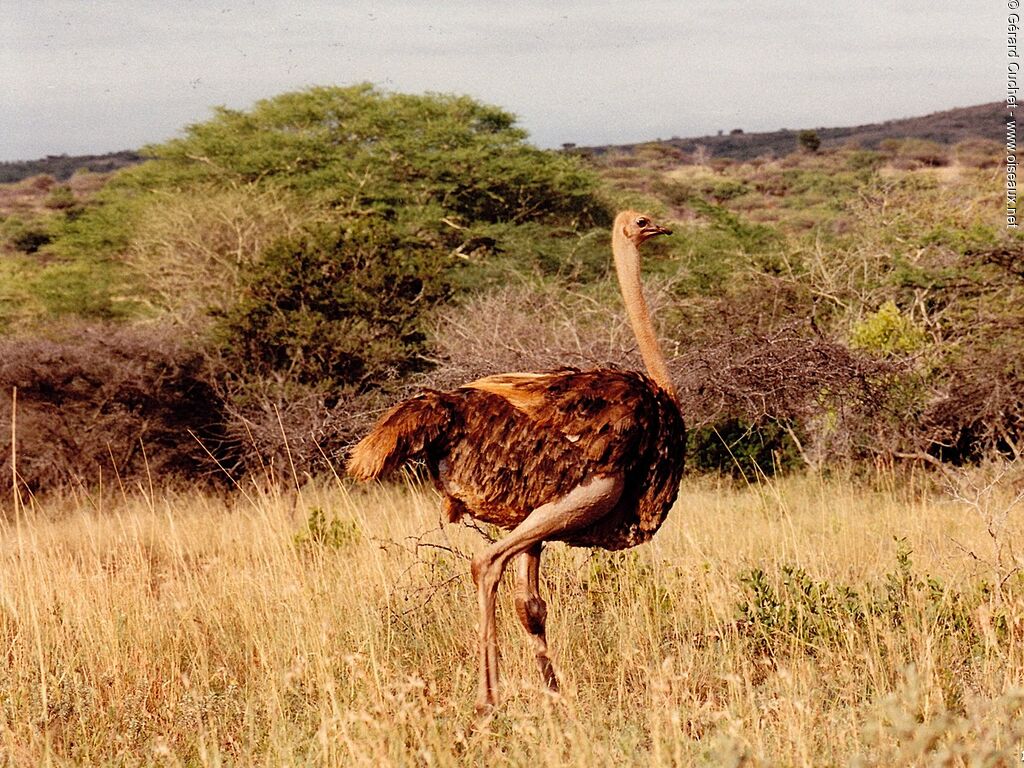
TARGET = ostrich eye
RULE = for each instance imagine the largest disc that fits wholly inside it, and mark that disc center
(642, 222)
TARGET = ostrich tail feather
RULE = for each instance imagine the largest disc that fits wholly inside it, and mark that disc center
(408, 431)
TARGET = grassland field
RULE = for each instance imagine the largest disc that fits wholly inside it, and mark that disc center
(797, 621)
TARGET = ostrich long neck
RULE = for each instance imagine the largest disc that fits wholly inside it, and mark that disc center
(627, 267)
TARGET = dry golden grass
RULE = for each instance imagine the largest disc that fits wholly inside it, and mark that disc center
(191, 629)
(194, 250)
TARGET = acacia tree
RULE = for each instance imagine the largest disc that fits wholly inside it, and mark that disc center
(402, 182)
(809, 141)
(358, 147)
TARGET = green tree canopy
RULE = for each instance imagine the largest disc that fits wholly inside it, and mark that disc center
(336, 307)
(321, 227)
(360, 148)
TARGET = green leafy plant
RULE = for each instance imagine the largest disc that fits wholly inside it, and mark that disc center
(794, 608)
(322, 532)
(735, 447)
(888, 331)
(61, 198)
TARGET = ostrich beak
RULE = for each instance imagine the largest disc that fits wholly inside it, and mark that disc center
(653, 230)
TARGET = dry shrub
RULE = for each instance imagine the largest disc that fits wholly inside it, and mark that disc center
(912, 153)
(900, 163)
(85, 183)
(44, 182)
(44, 195)
(134, 405)
(104, 401)
(25, 196)
(731, 358)
(753, 361)
(530, 328)
(978, 153)
(783, 374)
(979, 410)
(195, 249)
(659, 155)
(283, 431)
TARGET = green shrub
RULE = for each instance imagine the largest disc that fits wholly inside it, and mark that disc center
(888, 331)
(748, 237)
(107, 224)
(714, 250)
(737, 448)
(61, 198)
(809, 141)
(864, 160)
(36, 290)
(795, 611)
(94, 289)
(978, 153)
(914, 152)
(337, 307)
(321, 533)
(836, 184)
(27, 236)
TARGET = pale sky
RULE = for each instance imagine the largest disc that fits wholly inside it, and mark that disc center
(78, 76)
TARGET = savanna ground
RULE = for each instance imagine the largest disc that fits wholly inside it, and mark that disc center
(839, 317)
(794, 621)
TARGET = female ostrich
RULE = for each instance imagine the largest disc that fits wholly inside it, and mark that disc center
(589, 458)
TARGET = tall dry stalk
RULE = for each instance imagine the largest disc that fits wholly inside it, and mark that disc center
(992, 491)
(14, 450)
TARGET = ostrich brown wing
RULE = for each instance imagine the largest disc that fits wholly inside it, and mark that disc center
(652, 481)
(517, 441)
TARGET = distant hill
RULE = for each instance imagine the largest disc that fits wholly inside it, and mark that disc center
(62, 167)
(986, 121)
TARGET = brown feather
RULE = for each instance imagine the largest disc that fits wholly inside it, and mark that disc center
(500, 447)
(403, 433)
(515, 388)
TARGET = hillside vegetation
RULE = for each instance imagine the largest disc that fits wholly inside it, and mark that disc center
(984, 123)
(63, 167)
(330, 250)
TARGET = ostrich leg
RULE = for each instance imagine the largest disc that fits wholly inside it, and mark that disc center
(533, 611)
(585, 504)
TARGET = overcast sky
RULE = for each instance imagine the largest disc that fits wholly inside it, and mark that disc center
(81, 76)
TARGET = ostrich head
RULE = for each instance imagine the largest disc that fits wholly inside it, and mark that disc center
(639, 227)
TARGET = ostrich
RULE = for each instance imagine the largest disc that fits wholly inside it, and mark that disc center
(589, 458)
